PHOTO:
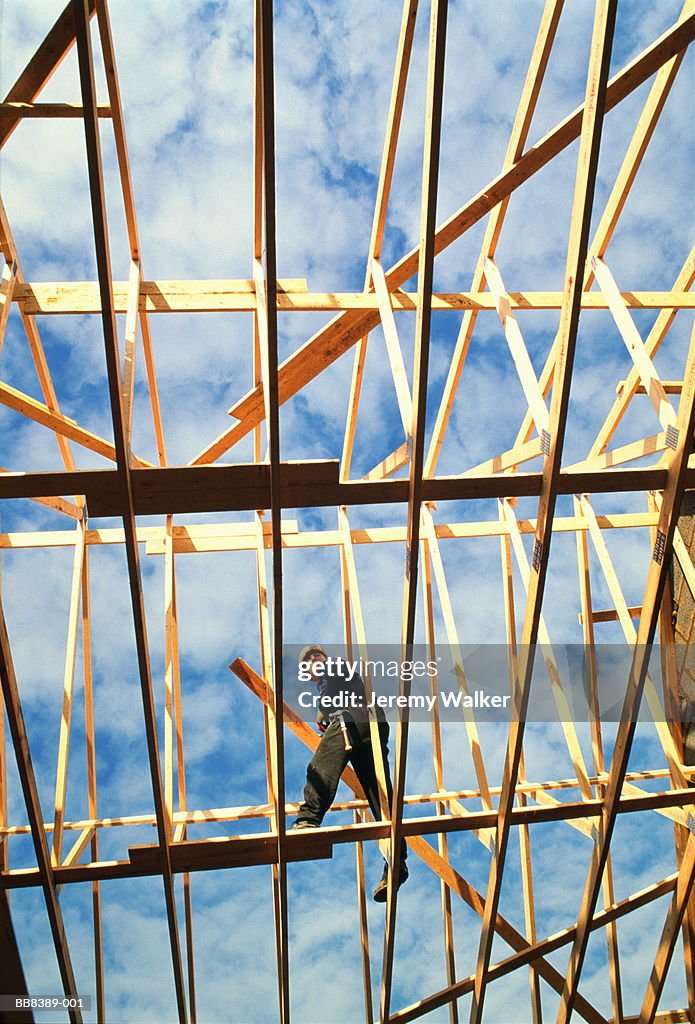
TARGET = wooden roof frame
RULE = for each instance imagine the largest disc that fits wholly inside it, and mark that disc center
(135, 487)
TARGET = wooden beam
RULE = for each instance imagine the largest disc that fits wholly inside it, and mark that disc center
(587, 616)
(669, 934)
(68, 689)
(517, 347)
(635, 346)
(42, 65)
(358, 816)
(55, 298)
(587, 165)
(610, 614)
(22, 111)
(524, 834)
(423, 323)
(564, 712)
(538, 63)
(413, 828)
(630, 633)
(604, 232)
(442, 840)
(393, 347)
(242, 487)
(131, 327)
(544, 947)
(92, 785)
(123, 472)
(67, 508)
(671, 387)
(174, 657)
(447, 609)
(624, 453)
(355, 603)
(44, 872)
(38, 354)
(388, 159)
(685, 279)
(241, 536)
(344, 331)
(8, 280)
(663, 805)
(27, 406)
(263, 35)
(651, 603)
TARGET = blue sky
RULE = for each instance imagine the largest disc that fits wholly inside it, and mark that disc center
(186, 79)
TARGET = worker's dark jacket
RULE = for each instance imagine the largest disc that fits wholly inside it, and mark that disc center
(333, 685)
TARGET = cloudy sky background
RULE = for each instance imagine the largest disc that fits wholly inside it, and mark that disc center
(186, 79)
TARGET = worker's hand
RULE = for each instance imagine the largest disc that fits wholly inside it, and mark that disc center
(320, 723)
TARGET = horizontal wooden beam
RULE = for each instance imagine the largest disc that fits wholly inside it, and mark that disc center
(213, 815)
(245, 487)
(662, 1017)
(347, 328)
(36, 110)
(215, 296)
(671, 387)
(236, 851)
(42, 65)
(611, 614)
(242, 536)
(53, 297)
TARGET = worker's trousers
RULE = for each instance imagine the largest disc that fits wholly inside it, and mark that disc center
(326, 766)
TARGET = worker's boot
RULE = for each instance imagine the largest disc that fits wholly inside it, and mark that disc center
(379, 894)
(302, 824)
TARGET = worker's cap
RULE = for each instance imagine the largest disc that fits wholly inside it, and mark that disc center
(310, 649)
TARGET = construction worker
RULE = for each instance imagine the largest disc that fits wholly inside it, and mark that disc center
(346, 737)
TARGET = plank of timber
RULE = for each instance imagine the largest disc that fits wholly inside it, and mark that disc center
(654, 588)
(42, 65)
(635, 345)
(8, 283)
(235, 851)
(517, 347)
(628, 388)
(103, 262)
(51, 110)
(182, 296)
(33, 337)
(423, 322)
(45, 873)
(241, 536)
(669, 934)
(671, 387)
(30, 407)
(611, 614)
(241, 487)
(585, 180)
(345, 330)
(544, 947)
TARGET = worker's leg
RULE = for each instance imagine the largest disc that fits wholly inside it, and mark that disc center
(363, 762)
(322, 775)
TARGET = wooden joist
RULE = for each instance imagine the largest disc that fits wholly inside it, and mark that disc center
(181, 489)
(238, 296)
